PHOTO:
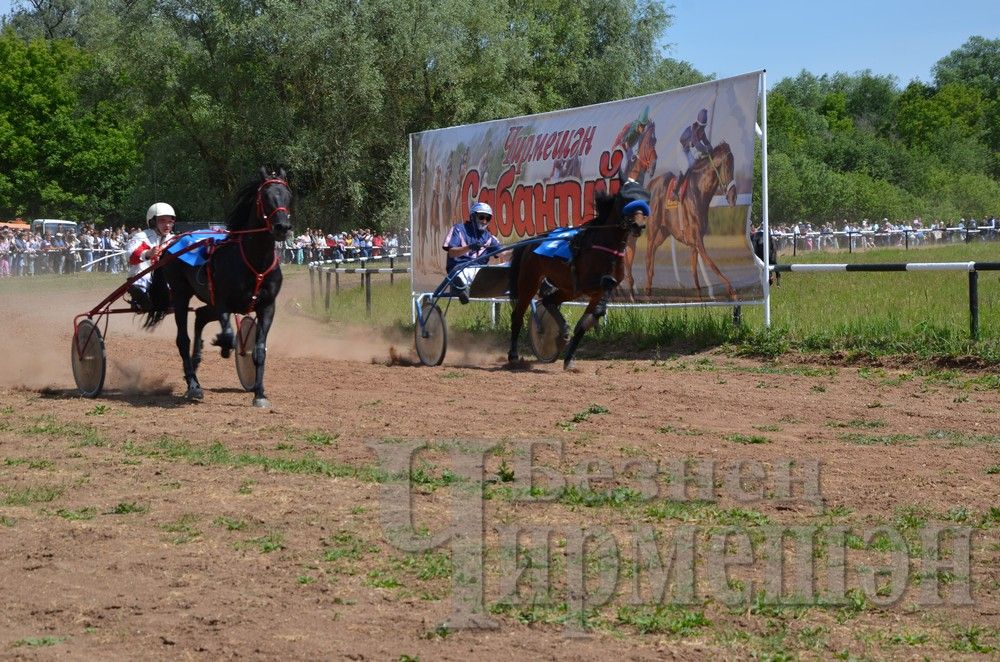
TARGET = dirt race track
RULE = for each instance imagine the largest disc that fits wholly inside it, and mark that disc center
(140, 525)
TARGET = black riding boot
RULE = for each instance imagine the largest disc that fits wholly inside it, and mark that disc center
(139, 299)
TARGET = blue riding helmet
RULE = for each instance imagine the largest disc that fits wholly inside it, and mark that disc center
(637, 205)
(480, 208)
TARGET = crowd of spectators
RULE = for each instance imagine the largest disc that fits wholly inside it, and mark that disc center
(313, 245)
(27, 253)
(885, 233)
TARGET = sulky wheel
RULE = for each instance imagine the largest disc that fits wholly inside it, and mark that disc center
(90, 363)
(543, 332)
(246, 338)
(431, 339)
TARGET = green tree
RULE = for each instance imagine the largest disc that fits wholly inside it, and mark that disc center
(57, 156)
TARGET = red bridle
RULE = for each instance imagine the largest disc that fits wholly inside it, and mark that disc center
(260, 203)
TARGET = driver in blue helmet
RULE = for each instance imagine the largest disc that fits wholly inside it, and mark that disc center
(468, 243)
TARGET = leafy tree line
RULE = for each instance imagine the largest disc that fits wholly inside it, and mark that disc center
(855, 147)
(108, 105)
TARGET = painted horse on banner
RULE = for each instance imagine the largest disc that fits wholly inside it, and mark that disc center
(684, 215)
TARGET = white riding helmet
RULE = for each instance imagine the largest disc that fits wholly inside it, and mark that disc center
(159, 209)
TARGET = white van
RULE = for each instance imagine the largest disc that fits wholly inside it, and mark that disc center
(52, 226)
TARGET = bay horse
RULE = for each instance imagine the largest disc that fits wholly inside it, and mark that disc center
(594, 271)
(242, 275)
(686, 219)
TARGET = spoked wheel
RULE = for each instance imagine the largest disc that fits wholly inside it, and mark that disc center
(90, 363)
(544, 334)
(431, 339)
(246, 338)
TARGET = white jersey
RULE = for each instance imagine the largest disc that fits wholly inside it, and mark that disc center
(137, 244)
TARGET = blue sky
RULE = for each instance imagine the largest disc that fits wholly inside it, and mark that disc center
(905, 39)
(902, 38)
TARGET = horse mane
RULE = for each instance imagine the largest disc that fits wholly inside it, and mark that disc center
(718, 150)
(239, 217)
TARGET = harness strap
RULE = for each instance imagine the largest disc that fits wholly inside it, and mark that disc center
(258, 275)
(208, 273)
(609, 250)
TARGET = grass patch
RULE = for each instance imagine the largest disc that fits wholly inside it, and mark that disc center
(344, 545)
(127, 508)
(7, 521)
(858, 423)
(956, 438)
(863, 439)
(38, 642)
(660, 619)
(582, 416)
(80, 514)
(29, 462)
(79, 434)
(747, 439)
(684, 432)
(217, 454)
(230, 524)
(183, 529)
(26, 496)
(271, 542)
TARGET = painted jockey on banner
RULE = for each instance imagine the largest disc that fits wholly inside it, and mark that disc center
(695, 143)
(637, 140)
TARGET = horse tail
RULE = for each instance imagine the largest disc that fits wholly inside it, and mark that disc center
(514, 271)
(159, 297)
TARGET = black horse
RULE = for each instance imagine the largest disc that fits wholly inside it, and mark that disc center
(242, 275)
(596, 268)
(757, 242)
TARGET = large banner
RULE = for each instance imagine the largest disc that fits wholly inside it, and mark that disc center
(693, 148)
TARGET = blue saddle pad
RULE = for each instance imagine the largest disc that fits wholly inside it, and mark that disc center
(196, 256)
(557, 244)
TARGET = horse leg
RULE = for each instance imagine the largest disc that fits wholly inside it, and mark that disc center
(264, 318)
(202, 316)
(714, 267)
(694, 270)
(630, 247)
(194, 391)
(552, 303)
(587, 322)
(608, 285)
(654, 237)
(225, 340)
(516, 322)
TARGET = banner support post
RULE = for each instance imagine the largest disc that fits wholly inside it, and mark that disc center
(765, 226)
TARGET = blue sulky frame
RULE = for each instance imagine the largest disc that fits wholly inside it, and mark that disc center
(431, 331)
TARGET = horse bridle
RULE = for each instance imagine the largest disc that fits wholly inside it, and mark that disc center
(718, 175)
(259, 276)
(260, 204)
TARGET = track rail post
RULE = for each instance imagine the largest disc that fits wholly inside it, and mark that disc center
(737, 316)
(327, 303)
(312, 286)
(974, 305)
(368, 292)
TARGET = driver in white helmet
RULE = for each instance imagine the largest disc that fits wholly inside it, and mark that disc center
(468, 243)
(144, 249)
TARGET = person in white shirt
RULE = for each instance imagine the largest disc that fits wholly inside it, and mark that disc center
(144, 249)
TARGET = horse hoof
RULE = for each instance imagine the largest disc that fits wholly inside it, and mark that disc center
(512, 357)
(195, 393)
(261, 403)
